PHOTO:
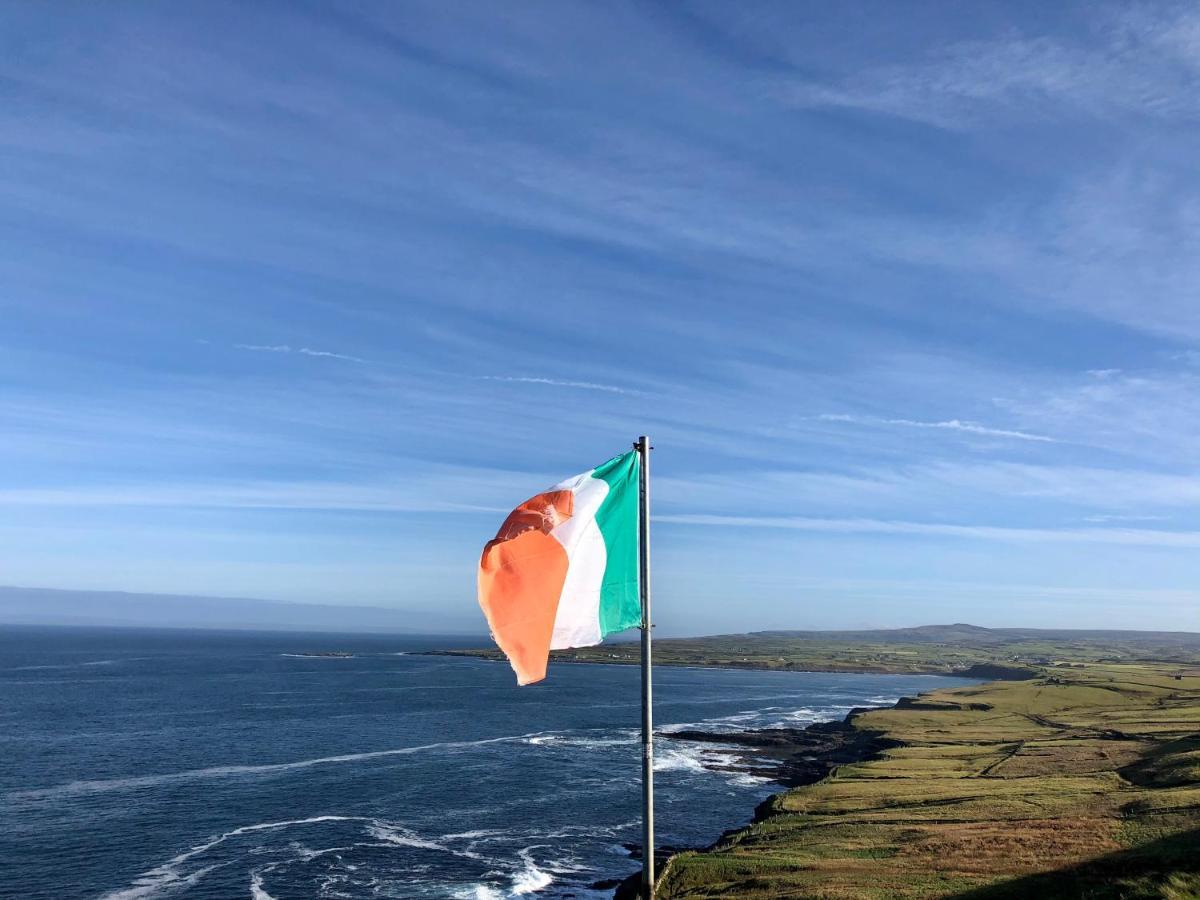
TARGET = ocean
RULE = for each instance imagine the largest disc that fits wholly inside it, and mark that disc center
(146, 764)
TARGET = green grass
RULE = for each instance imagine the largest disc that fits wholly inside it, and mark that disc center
(1080, 783)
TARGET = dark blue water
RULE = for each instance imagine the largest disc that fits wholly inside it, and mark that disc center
(139, 764)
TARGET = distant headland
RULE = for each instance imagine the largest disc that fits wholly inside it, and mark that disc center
(960, 649)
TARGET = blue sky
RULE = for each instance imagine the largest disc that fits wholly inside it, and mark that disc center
(296, 300)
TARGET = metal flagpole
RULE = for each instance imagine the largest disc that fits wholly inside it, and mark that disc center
(643, 447)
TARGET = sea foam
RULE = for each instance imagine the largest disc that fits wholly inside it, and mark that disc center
(257, 891)
(530, 879)
(142, 781)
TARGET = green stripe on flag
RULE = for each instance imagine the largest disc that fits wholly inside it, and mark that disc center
(617, 518)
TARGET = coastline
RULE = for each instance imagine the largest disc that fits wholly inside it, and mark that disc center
(1081, 782)
(801, 756)
(791, 758)
(982, 671)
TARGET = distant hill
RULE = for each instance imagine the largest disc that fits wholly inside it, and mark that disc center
(41, 606)
(975, 635)
(958, 649)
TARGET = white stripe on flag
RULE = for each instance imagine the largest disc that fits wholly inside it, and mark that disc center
(577, 623)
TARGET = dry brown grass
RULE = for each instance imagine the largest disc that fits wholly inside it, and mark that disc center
(996, 848)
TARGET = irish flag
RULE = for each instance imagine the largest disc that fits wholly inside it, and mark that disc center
(562, 570)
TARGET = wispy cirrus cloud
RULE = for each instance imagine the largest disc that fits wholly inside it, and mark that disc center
(1104, 519)
(1127, 63)
(459, 493)
(301, 351)
(991, 490)
(946, 425)
(1152, 413)
(559, 382)
(1143, 537)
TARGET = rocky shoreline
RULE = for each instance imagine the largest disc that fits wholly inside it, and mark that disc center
(792, 757)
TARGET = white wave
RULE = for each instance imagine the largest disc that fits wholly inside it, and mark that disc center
(468, 835)
(173, 875)
(685, 759)
(478, 892)
(581, 741)
(731, 723)
(572, 831)
(745, 779)
(257, 891)
(305, 854)
(808, 717)
(403, 837)
(767, 717)
(140, 781)
(150, 886)
(565, 867)
(530, 879)
(713, 758)
(170, 877)
(708, 759)
(740, 717)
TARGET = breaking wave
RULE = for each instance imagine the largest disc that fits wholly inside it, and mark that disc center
(257, 891)
(583, 741)
(530, 878)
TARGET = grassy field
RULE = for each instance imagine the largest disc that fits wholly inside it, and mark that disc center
(1083, 782)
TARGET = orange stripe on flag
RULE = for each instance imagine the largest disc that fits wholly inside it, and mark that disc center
(521, 577)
